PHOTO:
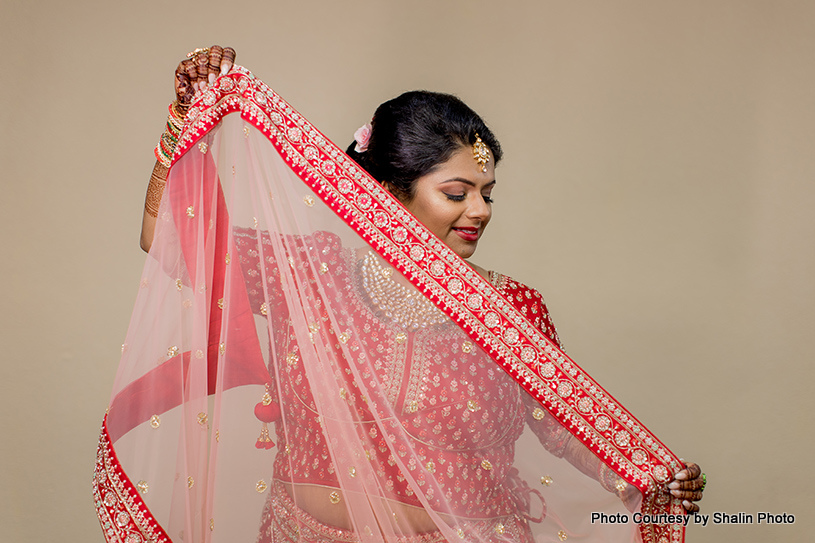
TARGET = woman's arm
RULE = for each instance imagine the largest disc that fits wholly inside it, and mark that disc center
(193, 74)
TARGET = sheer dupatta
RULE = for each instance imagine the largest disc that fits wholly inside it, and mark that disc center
(306, 362)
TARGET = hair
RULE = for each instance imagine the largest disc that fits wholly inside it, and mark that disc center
(414, 133)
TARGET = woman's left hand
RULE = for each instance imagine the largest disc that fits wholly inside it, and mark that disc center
(688, 485)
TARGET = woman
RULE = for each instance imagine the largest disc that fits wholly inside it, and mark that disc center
(371, 341)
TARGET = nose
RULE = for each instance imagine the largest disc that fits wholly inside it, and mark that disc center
(479, 209)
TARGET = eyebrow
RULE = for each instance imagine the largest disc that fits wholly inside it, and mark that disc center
(465, 181)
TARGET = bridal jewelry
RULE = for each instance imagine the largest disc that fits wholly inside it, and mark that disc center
(405, 306)
(481, 153)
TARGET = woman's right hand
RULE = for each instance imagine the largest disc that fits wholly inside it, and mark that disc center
(199, 70)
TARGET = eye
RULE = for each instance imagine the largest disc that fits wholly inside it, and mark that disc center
(488, 199)
(455, 197)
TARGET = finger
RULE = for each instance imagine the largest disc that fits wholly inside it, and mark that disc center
(227, 60)
(693, 471)
(693, 484)
(202, 61)
(691, 495)
(214, 63)
(192, 73)
(690, 507)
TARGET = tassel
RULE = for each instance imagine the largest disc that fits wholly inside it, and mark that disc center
(266, 411)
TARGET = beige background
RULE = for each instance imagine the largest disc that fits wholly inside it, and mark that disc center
(657, 188)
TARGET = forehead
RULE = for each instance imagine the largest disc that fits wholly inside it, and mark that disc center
(464, 166)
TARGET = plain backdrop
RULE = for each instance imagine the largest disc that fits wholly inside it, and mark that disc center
(657, 187)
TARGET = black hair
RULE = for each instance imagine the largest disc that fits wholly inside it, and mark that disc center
(415, 132)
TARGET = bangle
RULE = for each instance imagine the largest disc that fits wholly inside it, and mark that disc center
(172, 131)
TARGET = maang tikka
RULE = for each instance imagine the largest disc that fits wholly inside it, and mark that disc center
(481, 153)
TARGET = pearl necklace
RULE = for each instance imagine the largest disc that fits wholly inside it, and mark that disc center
(405, 306)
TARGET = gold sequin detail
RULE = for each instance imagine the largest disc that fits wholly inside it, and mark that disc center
(431, 467)
(314, 327)
(546, 480)
(190, 212)
(308, 200)
(179, 284)
(211, 524)
(401, 337)
(172, 351)
(245, 131)
(472, 405)
(220, 303)
(255, 222)
(323, 268)
(202, 147)
(621, 485)
(499, 528)
(344, 337)
(460, 533)
(292, 358)
(562, 535)
(155, 421)
(222, 348)
(538, 413)
(352, 471)
(228, 259)
(486, 464)
(190, 482)
(264, 309)
(143, 487)
(343, 394)
(202, 419)
(334, 497)
(412, 407)
(124, 347)
(467, 347)
(261, 486)
(217, 436)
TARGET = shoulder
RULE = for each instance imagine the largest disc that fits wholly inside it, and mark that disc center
(528, 301)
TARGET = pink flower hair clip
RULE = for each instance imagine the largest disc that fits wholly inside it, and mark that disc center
(362, 137)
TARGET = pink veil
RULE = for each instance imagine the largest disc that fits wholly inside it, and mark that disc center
(306, 362)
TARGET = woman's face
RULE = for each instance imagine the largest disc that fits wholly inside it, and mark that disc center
(453, 201)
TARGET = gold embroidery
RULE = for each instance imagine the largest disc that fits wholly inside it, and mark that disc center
(261, 486)
(401, 337)
(142, 486)
(546, 480)
(179, 284)
(155, 421)
(190, 482)
(472, 405)
(222, 348)
(499, 528)
(228, 259)
(245, 131)
(211, 524)
(202, 147)
(264, 309)
(352, 471)
(486, 464)
(538, 413)
(460, 533)
(202, 419)
(172, 351)
(334, 497)
(220, 303)
(190, 212)
(431, 467)
(292, 358)
(467, 347)
(323, 268)
(562, 535)
(308, 200)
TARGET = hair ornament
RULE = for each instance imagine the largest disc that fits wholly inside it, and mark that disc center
(481, 153)
(362, 137)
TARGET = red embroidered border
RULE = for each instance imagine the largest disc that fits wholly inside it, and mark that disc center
(122, 513)
(542, 369)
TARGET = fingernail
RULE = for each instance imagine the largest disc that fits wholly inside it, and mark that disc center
(673, 485)
(676, 493)
(211, 79)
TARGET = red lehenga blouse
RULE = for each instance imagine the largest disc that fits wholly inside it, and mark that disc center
(306, 362)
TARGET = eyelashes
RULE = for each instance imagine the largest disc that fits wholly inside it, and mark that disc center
(461, 197)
